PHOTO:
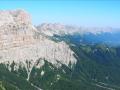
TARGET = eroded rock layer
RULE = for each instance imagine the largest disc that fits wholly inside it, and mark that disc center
(20, 41)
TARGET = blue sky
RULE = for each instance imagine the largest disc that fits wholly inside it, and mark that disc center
(100, 13)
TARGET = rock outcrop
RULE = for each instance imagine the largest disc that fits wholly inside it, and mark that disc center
(20, 42)
(15, 29)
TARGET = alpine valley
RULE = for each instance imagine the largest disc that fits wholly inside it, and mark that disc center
(52, 56)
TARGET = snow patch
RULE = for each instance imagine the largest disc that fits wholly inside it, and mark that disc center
(42, 73)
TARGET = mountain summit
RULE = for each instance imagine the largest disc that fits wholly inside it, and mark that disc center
(14, 16)
(15, 29)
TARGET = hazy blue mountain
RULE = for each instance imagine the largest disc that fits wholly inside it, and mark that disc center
(112, 39)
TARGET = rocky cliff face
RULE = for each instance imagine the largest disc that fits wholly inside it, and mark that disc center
(15, 29)
(21, 43)
(14, 16)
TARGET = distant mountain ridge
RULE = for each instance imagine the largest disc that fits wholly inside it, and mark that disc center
(57, 28)
(82, 34)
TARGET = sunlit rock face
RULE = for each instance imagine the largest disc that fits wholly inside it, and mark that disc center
(15, 29)
(14, 16)
(21, 42)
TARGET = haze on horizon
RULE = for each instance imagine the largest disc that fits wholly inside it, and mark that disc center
(75, 12)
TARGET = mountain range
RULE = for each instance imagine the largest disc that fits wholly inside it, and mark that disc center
(55, 56)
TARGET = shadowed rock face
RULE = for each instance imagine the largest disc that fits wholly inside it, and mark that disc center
(20, 42)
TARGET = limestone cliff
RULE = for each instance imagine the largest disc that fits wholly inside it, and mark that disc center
(20, 42)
